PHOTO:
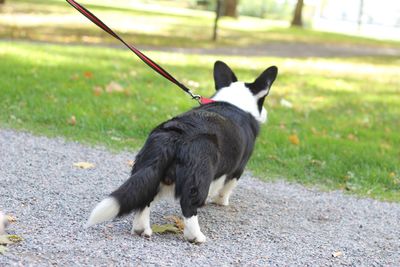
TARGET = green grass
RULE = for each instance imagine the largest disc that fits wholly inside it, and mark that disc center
(56, 21)
(345, 112)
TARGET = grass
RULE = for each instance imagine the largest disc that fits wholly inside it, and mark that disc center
(56, 21)
(344, 113)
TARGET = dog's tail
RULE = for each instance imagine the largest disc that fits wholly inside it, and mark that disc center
(140, 189)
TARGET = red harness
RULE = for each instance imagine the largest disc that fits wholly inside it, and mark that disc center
(143, 57)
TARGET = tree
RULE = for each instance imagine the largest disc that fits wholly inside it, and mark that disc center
(298, 14)
(360, 14)
(230, 8)
(217, 15)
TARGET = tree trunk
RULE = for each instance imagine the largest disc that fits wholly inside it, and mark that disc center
(230, 8)
(360, 14)
(217, 15)
(297, 16)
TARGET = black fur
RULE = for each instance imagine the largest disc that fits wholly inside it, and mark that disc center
(195, 148)
(264, 81)
(190, 150)
(223, 75)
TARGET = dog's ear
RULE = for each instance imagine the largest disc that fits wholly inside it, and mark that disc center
(260, 87)
(223, 75)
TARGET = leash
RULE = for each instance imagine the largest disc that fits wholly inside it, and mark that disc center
(143, 57)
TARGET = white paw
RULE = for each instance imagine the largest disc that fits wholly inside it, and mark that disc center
(197, 238)
(192, 230)
(221, 200)
(147, 232)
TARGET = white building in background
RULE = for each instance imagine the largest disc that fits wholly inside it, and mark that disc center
(373, 18)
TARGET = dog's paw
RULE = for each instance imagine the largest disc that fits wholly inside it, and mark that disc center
(196, 238)
(220, 200)
(146, 232)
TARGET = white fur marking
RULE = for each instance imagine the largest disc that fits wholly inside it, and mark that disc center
(165, 192)
(264, 115)
(106, 210)
(261, 93)
(223, 197)
(192, 230)
(216, 186)
(240, 96)
(141, 223)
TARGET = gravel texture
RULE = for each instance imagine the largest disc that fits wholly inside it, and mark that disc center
(267, 224)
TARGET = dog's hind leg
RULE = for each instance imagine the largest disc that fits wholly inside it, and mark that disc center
(193, 195)
(223, 196)
(141, 222)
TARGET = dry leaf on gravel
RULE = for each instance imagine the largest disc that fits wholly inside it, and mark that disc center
(165, 228)
(84, 165)
(11, 218)
(9, 239)
(337, 254)
(131, 162)
(177, 221)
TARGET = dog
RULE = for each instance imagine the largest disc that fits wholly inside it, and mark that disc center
(3, 223)
(197, 155)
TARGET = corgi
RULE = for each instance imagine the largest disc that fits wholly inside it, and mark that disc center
(197, 155)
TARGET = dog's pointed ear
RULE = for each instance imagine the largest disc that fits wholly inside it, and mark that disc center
(223, 75)
(260, 87)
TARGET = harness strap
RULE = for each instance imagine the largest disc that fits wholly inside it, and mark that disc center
(143, 57)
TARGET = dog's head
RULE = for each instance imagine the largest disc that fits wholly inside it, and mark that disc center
(246, 96)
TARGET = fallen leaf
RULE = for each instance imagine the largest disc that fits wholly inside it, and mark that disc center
(114, 87)
(165, 228)
(3, 249)
(314, 131)
(115, 138)
(72, 121)
(9, 239)
(131, 162)
(88, 74)
(352, 137)
(11, 219)
(97, 90)
(15, 238)
(277, 159)
(318, 163)
(177, 221)
(285, 103)
(294, 139)
(337, 254)
(84, 165)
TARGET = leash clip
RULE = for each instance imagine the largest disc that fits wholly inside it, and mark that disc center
(194, 96)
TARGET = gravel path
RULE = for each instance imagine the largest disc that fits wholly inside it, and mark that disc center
(268, 224)
(273, 49)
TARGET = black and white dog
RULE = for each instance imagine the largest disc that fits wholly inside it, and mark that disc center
(201, 153)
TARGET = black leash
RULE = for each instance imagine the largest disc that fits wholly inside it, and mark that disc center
(142, 56)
